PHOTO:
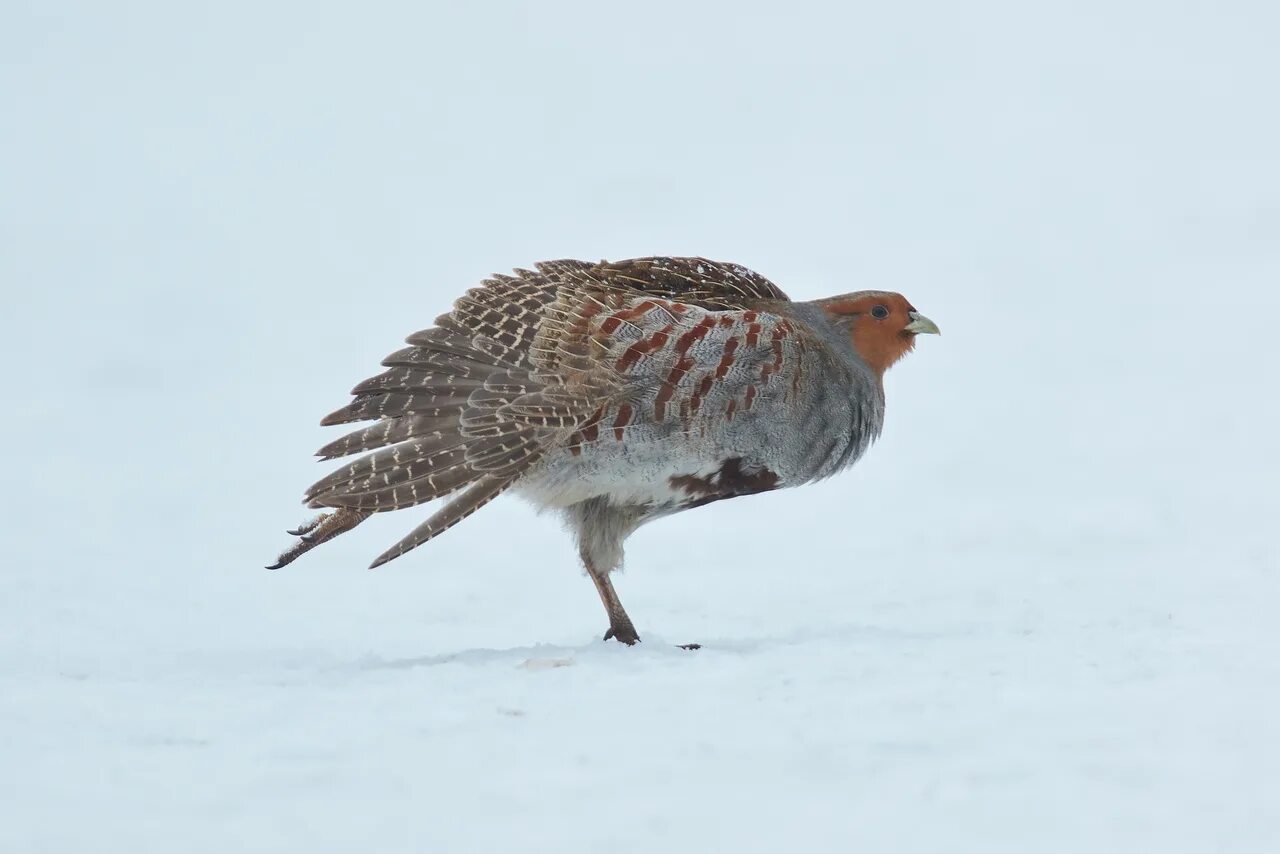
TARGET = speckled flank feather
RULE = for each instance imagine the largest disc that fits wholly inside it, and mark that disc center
(618, 392)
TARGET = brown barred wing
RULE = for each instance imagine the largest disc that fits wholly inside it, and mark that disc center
(686, 370)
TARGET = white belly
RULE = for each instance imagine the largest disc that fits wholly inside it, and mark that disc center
(640, 475)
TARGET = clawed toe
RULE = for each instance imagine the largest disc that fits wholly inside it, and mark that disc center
(321, 529)
(308, 526)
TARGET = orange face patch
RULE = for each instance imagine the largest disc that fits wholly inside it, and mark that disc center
(877, 323)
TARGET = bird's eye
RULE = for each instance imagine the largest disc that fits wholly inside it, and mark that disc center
(880, 312)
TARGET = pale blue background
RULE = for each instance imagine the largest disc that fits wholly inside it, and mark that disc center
(1039, 616)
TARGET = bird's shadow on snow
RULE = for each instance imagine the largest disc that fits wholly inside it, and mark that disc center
(536, 657)
(549, 656)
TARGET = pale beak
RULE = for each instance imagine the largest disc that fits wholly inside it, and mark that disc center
(922, 325)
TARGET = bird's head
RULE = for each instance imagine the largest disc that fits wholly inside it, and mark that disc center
(882, 325)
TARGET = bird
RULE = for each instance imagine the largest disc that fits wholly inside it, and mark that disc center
(614, 393)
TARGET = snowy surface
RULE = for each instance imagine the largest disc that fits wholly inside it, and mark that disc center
(1039, 617)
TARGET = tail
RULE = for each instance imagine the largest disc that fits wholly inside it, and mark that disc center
(468, 408)
(450, 419)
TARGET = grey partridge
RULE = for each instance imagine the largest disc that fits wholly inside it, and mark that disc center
(616, 393)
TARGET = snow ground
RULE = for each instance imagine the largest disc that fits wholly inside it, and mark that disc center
(1039, 617)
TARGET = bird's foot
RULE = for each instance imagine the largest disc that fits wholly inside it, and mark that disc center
(627, 635)
(623, 633)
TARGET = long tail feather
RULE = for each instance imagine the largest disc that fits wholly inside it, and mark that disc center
(479, 494)
(391, 431)
(434, 402)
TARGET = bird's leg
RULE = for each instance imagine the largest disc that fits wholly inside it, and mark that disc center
(620, 626)
(601, 527)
